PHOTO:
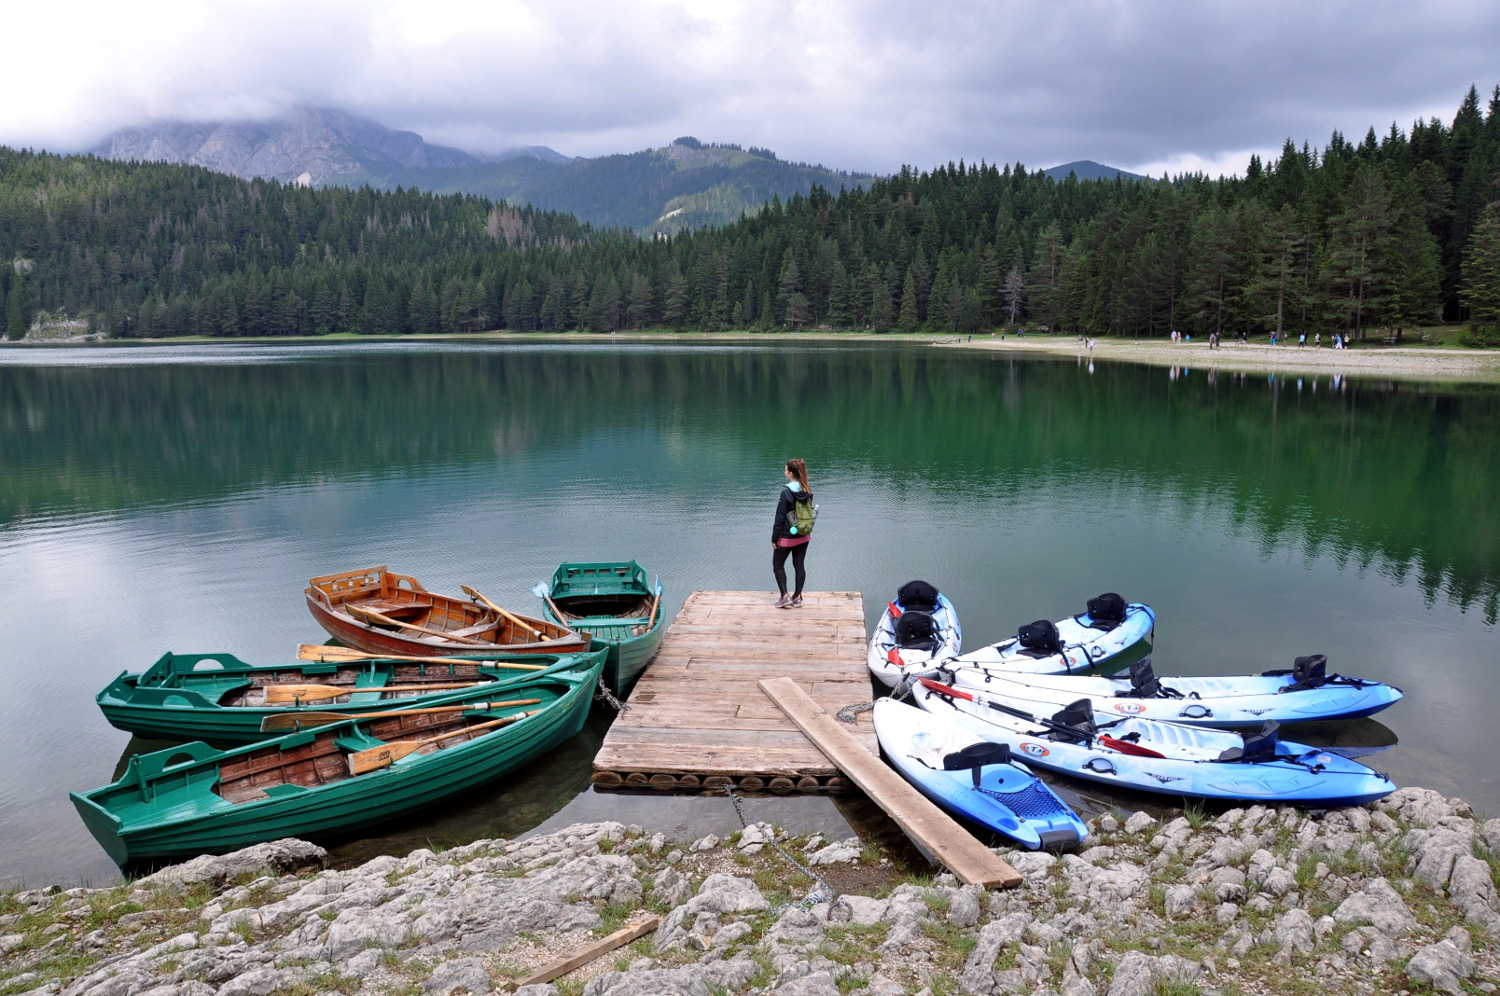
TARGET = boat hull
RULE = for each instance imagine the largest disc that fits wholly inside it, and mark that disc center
(1085, 650)
(914, 663)
(592, 587)
(173, 700)
(1189, 769)
(182, 816)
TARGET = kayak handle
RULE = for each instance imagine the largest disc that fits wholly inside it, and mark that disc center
(1196, 712)
(1101, 766)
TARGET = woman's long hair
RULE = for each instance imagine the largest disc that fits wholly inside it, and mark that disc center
(798, 468)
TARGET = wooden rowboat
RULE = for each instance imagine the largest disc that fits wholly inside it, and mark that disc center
(219, 699)
(614, 604)
(332, 780)
(386, 613)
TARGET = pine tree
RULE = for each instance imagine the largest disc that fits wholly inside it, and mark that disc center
(838, 297)
(880, 301)
(991, 286)
(1481, 272)
(909, 320)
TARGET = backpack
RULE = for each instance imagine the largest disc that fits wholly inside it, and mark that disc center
(799, 521)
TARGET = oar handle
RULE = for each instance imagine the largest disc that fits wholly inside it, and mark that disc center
(370, 615)
(296, 720)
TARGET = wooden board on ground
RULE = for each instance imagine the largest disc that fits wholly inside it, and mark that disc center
(697, 719)
(603, 946)
(931, 828)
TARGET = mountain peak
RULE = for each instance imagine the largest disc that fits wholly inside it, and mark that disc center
(1087, 169)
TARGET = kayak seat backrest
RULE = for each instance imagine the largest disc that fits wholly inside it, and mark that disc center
(1259, 746)
(917, 631)
(1106, 611)
(917, 595)
(1041, 637)
(976, 756)
(1074, 723)
(1310, 672)
(1143, 681)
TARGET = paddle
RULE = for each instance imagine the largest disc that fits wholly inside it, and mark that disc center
(324, 654)
(300, 720)
(540, 591)
(515, 620)
(655, 604)
(387, 754)
(1126, 748)
(371, 616)
(279, 693)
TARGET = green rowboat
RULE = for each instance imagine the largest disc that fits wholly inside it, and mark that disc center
(613, 603)
(221, 700)
(192, 799)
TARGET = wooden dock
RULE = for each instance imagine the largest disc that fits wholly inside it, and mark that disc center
(697, 718)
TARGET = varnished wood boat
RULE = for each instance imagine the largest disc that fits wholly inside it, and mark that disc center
(617, 607)
(424, 623)
(221, 700)
(334, 779)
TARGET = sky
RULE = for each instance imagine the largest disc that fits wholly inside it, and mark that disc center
(1149, 87)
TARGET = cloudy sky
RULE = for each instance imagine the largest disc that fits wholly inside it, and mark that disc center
(1150, 87)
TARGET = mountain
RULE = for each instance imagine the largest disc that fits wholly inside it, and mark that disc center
(312, 145)
(687, 184)
(1087, 169)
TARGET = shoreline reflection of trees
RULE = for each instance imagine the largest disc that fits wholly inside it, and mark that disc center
(1387, 476)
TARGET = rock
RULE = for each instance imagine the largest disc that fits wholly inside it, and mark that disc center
(1226, 913)
(285, 855)
(536, 989)
(842, 851)
(361, 964)
(720, 893)
(1472, 890)
(9, 942)
(1490, 834)
(687, 981)
(963, 909)
(1442, 966)
(865, 911)
(1181, 900)
(755, 834)
(1379, 905)
(1295, 931)
(705, 843)
(669, 886)
(1031, 864)
(1279, 881)
(1139, 822)
(467, 975)
(257, 982)
(978, 972)
(1136, 974)
(816, 984)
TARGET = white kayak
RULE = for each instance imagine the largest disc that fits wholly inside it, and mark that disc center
(1304, 693)
(1168, 758)
(916, 631)
(974, 778)
(1110, 635)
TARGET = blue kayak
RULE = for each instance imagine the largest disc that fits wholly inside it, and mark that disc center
(1106, 637)
(974, 779)
(1151, 756)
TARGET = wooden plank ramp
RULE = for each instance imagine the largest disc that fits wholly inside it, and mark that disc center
(698, 720)
(932, 829)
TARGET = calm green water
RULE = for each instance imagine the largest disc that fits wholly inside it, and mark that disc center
(179, 497)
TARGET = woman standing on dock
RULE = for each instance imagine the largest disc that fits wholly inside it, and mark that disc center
(791, 531)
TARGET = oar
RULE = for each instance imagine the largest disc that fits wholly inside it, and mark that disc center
(290, 693)
(323, 654)
(371, 616)
(387, 754)
(515, 620)
(656, 604)
(540, 591)
(1123, 746)
(298, 720)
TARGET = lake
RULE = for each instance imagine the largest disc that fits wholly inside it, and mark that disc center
(159, 498)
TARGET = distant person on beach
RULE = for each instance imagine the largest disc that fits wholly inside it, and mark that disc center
(1318, 341)
(1302, 340)
(786, 538)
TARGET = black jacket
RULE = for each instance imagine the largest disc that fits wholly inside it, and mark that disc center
(784, 508)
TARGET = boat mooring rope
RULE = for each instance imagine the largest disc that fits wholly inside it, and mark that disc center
(824, 893)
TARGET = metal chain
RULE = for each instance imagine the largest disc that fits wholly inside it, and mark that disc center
(825, 893)
(603, 694)
(850, 713)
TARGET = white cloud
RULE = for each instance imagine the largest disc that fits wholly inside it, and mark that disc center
(859, 85)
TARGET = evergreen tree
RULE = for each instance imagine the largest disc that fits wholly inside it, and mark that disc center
(1481, 272)
(909, 320)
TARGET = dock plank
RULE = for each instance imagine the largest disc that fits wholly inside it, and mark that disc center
(698, 712)
(923, 821)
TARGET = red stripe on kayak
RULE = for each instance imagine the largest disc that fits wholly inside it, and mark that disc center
(1126, 747)
(952, 693)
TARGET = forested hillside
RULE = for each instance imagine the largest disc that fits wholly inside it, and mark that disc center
(1393, 231)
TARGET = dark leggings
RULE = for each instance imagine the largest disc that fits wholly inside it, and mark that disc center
(799, 561)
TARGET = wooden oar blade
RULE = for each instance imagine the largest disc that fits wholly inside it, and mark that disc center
(281, 693)
(305, 720)
(373, 758)
(283, 721)
(322, 653)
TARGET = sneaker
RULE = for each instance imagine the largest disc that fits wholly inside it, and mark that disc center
(795, 603)
(783, 601)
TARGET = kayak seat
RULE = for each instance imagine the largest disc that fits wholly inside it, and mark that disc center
(1143, 682)
(1259, 746)
(977, 756)
(1105, 612)
(1040, 637)
(917, 595)
(917, 631)
(1074, 723)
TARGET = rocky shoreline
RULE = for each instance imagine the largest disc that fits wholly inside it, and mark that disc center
(1399, 897)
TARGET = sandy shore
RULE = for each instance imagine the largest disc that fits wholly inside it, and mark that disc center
(1400, 362)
